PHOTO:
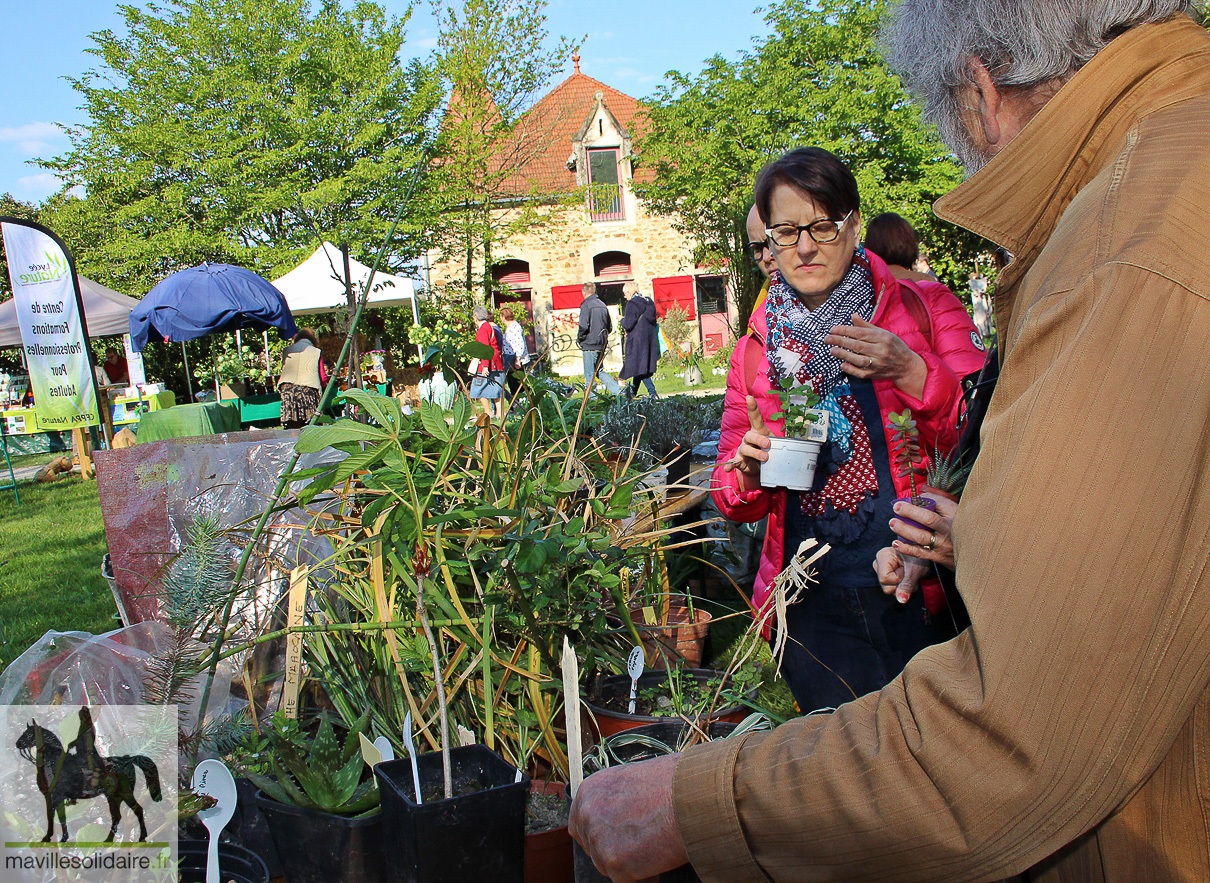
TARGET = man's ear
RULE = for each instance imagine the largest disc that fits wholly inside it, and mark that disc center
(989, 104)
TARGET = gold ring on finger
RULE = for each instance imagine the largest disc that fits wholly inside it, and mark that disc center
(932, 544)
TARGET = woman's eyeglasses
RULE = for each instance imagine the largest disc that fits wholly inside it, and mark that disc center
(822, 231)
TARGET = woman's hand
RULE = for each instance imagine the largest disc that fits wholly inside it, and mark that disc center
(899, 573)
(932, 542)
(753, 450)
(869, 352)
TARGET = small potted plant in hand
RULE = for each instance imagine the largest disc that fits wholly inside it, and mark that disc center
(792, 458)
(909, 460)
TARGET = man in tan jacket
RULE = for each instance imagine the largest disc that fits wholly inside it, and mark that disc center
(1066, 734)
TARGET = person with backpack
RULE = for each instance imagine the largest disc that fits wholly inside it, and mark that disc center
(837, 318)
(487, 385)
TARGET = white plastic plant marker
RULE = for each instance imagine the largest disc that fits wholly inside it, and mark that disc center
(634, 666)
(385, 748)
(571, 715)
(213, 779)
(407, 740)
(369, 751)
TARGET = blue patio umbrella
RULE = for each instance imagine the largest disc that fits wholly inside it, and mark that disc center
(206, 299)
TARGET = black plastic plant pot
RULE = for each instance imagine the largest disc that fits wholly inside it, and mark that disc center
(614, 689)
(475, 836)
(235, 864)
(249, 829)
(319, 847)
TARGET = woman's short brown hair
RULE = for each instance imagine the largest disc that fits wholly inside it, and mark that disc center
(507, 314)
(813, 171)
(893, 239)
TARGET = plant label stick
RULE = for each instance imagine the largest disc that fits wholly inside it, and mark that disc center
(571, 712)
(634, 665)
(211, 778)
(407, 738)
(298, 607)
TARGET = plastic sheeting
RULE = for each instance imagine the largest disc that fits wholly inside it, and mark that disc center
(76, 668)
(151, 493)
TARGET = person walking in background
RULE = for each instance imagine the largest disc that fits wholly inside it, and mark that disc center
(641, 346)
(592, 337)
(487, 384)
(302, 379)
(516, 351)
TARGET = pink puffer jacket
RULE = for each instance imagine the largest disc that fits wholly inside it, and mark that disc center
(956, 351)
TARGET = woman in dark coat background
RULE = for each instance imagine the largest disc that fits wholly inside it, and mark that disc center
(641, 347)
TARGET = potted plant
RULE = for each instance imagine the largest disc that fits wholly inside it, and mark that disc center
(464, 553)
(693, 366)
(909, 460)
(321, 803)
(792, 457)
(548, 854)
(690, 694)
(945, 475)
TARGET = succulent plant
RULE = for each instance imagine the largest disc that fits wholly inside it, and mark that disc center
(317, 771)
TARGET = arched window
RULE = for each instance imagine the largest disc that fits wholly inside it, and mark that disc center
(611, 265)
(511, 274)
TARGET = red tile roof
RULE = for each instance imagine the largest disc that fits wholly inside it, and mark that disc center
(555, 121)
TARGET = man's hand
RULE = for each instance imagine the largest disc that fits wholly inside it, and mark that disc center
(624, 819)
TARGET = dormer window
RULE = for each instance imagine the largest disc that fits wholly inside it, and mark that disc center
(604, 188)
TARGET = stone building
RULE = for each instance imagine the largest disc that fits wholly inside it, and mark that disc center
(605, 235)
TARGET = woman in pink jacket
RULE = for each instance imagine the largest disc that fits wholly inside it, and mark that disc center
(838, 319)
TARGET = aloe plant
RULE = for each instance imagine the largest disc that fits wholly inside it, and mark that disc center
(318, 771)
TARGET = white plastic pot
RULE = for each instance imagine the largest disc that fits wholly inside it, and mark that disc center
(791, 463)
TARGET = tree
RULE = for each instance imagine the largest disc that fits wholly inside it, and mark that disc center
(241, 131)
(817, 80)
(494, 63)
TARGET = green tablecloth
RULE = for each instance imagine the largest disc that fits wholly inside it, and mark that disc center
(181, 421)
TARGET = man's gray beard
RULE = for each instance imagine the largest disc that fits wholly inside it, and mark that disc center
(958, 139)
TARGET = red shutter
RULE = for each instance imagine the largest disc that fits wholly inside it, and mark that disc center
(566, 297)
(674, 291)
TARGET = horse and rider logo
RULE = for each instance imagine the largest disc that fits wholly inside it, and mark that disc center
(80, 772)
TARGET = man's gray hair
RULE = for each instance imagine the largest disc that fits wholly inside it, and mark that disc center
(1022, 43)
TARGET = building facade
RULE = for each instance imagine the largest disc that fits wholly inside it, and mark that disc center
(604, 235)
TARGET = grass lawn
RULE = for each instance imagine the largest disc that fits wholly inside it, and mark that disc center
(50, 569)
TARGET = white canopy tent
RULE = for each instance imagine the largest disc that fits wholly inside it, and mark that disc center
(105, 311)
(317, 285)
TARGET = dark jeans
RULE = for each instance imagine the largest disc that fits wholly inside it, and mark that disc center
(847, 641)
(646, 381)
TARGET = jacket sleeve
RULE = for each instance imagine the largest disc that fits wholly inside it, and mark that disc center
(954, 354)
(630, 317)
(582, 328)
(733, 503)
(1089, 594)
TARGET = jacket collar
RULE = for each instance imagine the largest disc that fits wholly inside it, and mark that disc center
(1016, 200)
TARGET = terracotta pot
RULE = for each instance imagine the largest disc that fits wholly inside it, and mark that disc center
(548, 855)
(607, 721)
(681, 637)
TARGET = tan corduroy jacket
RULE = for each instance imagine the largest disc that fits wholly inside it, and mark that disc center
(1068, 729)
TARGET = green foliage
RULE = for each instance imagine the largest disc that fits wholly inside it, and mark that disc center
(946, 471)
(905, 444)
(657, 426)
(318, 771)
(51, 576)
(503, 537)
(240, 131)
(229, 364)
(797, 407)
(816, 80)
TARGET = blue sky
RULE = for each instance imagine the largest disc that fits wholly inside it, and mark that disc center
(630, 45)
